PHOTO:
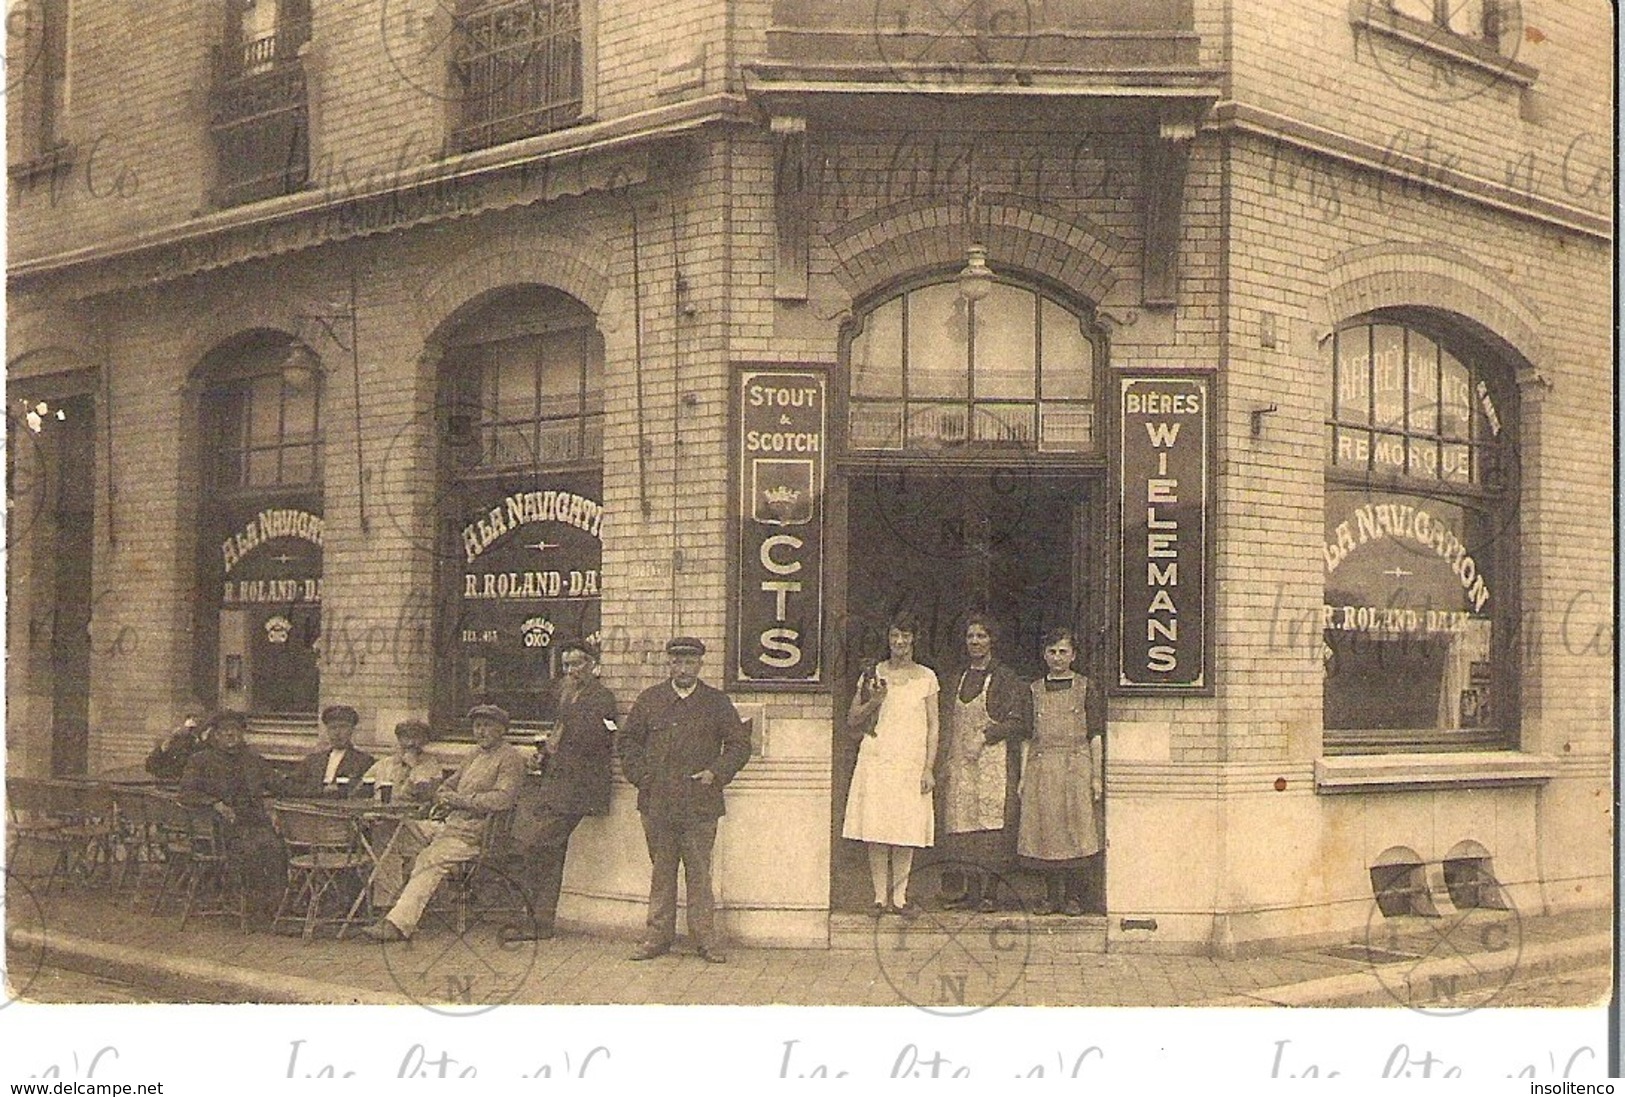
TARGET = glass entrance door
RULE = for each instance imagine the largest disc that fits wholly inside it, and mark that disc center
(1019, 548)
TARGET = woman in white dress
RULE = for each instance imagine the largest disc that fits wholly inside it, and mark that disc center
(889, 807)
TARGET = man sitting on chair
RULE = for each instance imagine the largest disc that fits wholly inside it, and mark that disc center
(485, 784)
(322, 769)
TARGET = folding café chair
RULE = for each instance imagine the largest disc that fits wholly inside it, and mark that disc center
(488, 886)
(36, 820)
(91, 827)
(198, 861)
(326, 862)
(142, 839)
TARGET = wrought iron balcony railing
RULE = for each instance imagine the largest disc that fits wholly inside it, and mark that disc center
(516, 70)
(259, 117)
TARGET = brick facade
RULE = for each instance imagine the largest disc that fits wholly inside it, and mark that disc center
(1326, 180)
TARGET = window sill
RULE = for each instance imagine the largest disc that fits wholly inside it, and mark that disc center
(1446, 44)
(51, 162)
(1414, 772)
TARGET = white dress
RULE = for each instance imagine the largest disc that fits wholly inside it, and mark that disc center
(885, 804)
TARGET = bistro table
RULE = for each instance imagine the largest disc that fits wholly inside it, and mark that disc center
(378, 826)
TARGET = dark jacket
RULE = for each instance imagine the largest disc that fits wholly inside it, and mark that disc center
(307, 776)
(168, 759)
(1009, 703)
(667, 738)
(576, 781)
(241, 779)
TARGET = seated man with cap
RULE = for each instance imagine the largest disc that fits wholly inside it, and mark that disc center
(488, 782)
(323, 769)
(410, 771)
(682, 743)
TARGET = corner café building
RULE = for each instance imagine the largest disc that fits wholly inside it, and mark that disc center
(1303, 431)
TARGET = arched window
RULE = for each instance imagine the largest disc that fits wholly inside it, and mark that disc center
(1421, 522)
(521, 434)
(1013, 370)
(261, 556)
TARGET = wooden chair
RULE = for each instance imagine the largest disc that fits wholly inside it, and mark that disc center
(91, 827)
(198, 860)
(326, 862)
(36, 819)
(142, 850)
(488, 886)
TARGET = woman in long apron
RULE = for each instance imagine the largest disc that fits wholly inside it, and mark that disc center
(1062, 780)
(985, 720)
(889, 806)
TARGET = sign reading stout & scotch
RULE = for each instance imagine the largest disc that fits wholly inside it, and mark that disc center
(1165, 429)
(778, 588)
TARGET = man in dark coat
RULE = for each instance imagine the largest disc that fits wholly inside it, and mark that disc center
(682, 743)
(322, 769)
(575, 783)
(171, 753)
(232, 781)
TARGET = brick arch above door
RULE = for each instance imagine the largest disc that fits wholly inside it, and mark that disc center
(904, 238)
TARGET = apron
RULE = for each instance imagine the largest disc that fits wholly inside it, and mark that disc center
(975, 792)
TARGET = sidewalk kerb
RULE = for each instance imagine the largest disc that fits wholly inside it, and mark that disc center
(1364, 988)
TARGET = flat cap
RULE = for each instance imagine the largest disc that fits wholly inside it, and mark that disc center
(589, 650)
(490, 712)
(684, 645)
(340, 714)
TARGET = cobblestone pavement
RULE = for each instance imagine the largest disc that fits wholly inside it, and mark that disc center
(941, 966)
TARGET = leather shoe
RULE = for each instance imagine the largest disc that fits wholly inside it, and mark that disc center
(649, 951)
(711, 955)
(383, 930)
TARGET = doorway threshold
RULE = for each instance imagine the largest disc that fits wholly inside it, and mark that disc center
(935, 928)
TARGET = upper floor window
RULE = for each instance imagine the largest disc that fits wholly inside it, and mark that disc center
(36, 78)
(258, 105)
(1012, 370)
(1420, 611)
(516, 69)
(1482, 20)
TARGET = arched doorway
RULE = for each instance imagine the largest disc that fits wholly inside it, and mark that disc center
(260, 556)
(971, 478)
(519, 432)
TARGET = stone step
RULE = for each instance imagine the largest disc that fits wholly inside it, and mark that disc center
(1001, 931)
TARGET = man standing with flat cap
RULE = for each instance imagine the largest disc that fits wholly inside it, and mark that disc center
(487, 783)
(682, 743)
(575, 782)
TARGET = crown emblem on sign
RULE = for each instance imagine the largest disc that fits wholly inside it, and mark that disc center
(782, 496)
